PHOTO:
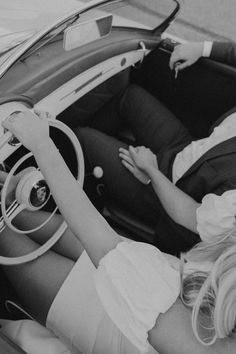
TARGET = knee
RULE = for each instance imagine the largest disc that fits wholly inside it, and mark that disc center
(81, 131)
(132, 91)
(132, 97)
(89, 136)
(94, 144)
(84, 135)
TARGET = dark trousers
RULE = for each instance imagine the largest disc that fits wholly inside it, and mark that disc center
(153, 126)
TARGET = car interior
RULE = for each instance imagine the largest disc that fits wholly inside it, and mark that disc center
(201, 94)
(198, 97)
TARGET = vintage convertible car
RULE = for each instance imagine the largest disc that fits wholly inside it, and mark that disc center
(70, 67)
(69, 63)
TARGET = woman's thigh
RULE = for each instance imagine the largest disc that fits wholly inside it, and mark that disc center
(68, 245)
(37, 282)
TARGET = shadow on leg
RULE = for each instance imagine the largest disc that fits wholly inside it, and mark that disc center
(36, 282)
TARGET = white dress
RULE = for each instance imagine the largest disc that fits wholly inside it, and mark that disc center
(110, 310)
(216, 216)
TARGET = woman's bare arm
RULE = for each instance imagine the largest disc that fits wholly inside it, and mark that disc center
(95, 234)
(178, 205)
(173, 334)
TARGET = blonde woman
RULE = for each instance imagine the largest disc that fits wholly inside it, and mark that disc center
(119, 296)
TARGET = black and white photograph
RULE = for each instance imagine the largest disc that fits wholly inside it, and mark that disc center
(117, 177)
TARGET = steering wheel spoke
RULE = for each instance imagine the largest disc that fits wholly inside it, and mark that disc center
(14, 210)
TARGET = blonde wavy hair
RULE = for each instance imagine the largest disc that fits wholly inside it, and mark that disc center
(211, 294)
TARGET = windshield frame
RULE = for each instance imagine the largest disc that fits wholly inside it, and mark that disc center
(12, 56)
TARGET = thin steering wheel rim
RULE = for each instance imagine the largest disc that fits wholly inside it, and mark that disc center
(61, 229)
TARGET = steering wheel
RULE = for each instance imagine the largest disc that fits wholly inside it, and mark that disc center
(32, 192)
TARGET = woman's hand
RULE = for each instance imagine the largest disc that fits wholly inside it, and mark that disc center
(128, 162)
(185, 55)
(143, 158)
(138, 160)
(32, 130)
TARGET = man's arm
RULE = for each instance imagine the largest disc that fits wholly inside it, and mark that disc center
(187, 54)
(224, 52)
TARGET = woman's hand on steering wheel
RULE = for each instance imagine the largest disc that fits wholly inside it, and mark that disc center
(32, 130)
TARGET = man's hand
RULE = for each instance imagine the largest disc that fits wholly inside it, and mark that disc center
(185, 55)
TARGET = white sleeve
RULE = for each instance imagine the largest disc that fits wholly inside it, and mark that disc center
(135, 283)
(207, 47)
(216, 216)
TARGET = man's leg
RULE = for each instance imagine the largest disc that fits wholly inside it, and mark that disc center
(102, 150)
(108, 119)
(151, 123)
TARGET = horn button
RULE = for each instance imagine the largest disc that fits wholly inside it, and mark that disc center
(32, 190)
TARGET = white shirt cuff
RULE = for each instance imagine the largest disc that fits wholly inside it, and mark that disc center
(207, 47)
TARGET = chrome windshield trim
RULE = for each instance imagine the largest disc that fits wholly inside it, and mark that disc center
(35, 38)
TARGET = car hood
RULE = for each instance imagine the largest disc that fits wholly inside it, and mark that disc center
(20, 19)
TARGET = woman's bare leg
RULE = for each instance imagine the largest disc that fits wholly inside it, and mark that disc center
(68, 246)
(36, 282)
